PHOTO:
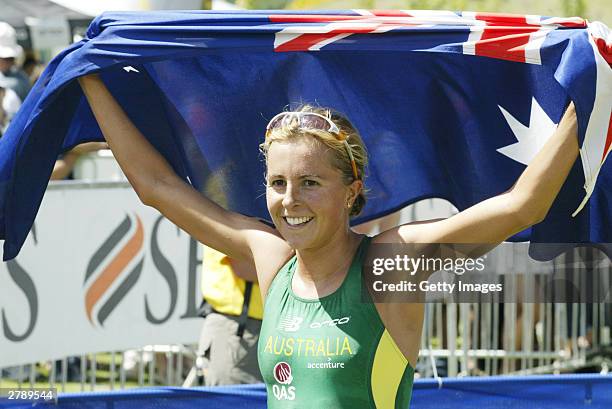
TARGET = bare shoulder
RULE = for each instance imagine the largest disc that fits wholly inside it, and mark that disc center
(270, 253)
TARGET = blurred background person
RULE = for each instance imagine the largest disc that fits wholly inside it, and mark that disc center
(9, 105)
(11, 75)
(2, 111)
(227, 350)
(32, 67)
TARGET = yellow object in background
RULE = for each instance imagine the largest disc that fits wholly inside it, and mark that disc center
(223, 289)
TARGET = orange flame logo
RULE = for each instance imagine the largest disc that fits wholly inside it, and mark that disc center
(103, 272)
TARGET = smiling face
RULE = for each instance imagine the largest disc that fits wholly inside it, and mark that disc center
(306, 196)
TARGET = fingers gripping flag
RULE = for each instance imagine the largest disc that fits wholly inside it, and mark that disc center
(450, 105)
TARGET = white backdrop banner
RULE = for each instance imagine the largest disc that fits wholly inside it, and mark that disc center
(94, 278)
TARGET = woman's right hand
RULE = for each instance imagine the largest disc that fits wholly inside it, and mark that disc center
(157, 185)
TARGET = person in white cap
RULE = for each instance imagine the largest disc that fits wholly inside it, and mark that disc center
(11, 76)
(9, 105)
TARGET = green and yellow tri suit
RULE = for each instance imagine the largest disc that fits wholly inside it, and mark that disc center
(332, 352)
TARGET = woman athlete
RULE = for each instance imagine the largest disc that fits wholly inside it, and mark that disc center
(320, 346)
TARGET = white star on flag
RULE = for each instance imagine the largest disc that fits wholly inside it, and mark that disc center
(130, 68)
(530, 138)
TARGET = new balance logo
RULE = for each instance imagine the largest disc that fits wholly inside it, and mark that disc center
(290, 324)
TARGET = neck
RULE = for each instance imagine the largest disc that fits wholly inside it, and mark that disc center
(324, 264)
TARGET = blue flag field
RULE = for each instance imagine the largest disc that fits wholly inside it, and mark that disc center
(450, 105)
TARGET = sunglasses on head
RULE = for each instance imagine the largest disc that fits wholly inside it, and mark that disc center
(311, 120)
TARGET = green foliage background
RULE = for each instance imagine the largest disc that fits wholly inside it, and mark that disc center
(591, 9)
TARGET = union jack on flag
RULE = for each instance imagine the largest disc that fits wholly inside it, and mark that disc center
(502, 36)
(450, 105)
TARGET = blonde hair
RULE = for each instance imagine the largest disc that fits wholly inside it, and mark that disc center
(340, 155)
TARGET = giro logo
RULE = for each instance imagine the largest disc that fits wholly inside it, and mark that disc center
(282, 375)
(114, 269)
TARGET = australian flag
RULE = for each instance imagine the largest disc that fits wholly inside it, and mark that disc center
(450, 105)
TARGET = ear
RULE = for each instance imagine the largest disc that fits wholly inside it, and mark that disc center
(354, 189)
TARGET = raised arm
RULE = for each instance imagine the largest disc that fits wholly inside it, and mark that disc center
(157, 185)
(485, 224)
(525, 204)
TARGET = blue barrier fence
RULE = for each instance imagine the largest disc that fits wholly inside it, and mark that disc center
(533, 392)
